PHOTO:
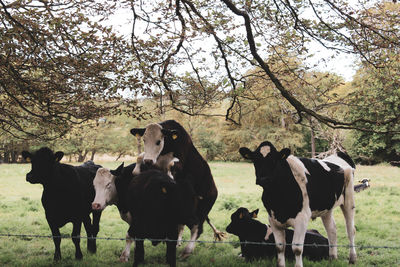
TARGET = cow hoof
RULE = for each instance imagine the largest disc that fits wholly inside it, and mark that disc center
(124, 258)
(92, 247)
(219, 236)
(57, 257)
(353, 259)
(332, 257)
(185, 255)
(78, 255)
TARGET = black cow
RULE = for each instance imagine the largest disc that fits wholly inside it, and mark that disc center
(298, 189)
(67, 196)
(156, 205)
(169, 139)
(250, 230)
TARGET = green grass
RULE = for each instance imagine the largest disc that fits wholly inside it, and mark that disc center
(377, 222)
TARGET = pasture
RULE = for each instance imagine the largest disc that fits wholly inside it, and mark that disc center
(377, 222)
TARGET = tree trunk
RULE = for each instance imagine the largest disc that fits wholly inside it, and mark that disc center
(6, 156)
(139, 145)
(92, 155)
(14, 156)
(312, 139)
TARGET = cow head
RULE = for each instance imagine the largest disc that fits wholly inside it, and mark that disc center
(157, 141)
(241, 221)
(265, 159)
(104, 186)
(43, 162)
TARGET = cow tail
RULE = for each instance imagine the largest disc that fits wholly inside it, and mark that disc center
(349, 187)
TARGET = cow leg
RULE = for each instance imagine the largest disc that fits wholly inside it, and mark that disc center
(280, 240)
(91, 242)
(139, 253)
(204, 206)
(298, 242)
(127, 251)
(348, 209)
(57, 240)
(180, 233)
(171, 246)
(95, 227)
(330, 227)
(76, 232)
(192, 243)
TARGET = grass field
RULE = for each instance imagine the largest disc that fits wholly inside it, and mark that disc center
(377, 223)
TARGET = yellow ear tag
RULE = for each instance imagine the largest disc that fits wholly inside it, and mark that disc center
(241, 216)
(164, 190)
(28, 160)
(174, 136)
(254, 215)
(137, 135)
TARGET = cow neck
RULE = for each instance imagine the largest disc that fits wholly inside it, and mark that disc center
(53, 180)
(281, 194)
(122, 191)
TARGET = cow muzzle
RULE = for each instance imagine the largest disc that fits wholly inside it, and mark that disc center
(148, 162)
(96, 206)
(30, 178)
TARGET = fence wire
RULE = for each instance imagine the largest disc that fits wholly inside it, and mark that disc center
(27, 236)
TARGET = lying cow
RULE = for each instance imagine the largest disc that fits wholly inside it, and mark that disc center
(170, 139)
(250, 230)
(298, 189)
(67, 196)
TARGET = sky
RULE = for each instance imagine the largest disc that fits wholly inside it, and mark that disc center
(343, 64)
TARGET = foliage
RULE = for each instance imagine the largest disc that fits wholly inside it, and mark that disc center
(60, 66)
(172, 42)
(376, 98)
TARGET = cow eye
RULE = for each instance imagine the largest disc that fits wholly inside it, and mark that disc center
(108, 185)
(158, 142)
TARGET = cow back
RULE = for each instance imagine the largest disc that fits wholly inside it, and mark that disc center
(155, 202)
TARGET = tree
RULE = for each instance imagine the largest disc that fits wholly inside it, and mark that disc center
(60, 66)
(171, 36)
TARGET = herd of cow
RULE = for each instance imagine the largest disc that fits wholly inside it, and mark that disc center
(171, 186)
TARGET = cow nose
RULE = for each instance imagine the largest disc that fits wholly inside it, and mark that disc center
(148, 162)
(96, 206)
(29, 177)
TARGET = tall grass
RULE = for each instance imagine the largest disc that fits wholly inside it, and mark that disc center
(377, 223)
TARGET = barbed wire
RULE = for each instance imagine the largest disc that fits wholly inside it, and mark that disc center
(202, 241)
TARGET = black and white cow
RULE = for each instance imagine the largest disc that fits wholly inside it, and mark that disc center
(67, 196)
(298, 189)
(170, 139)
(255, 236)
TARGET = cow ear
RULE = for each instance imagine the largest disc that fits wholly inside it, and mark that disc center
(284, 153)
(246, 153)
(118, 171)
(58, 156)
(27, 156)
(254, 213)
(174, 134)
(138, 132)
